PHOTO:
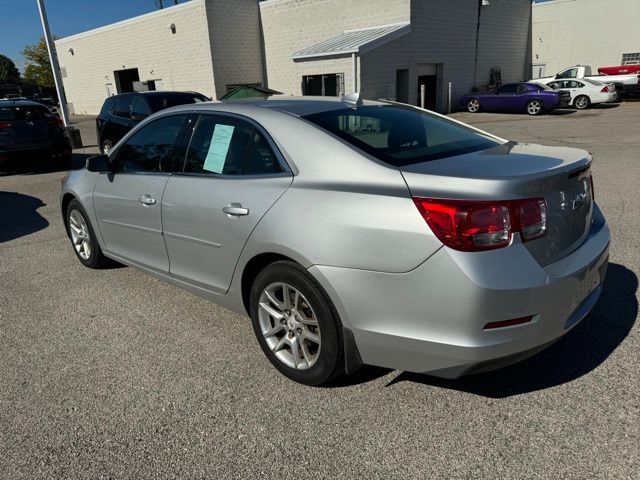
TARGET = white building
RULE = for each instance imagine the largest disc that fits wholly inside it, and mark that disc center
(587, 32)
(392, 49)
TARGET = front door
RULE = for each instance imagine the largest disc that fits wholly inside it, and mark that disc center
(232, 176)
(128, 201)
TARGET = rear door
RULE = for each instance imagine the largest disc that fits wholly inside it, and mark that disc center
(232, 175)
(127, 202)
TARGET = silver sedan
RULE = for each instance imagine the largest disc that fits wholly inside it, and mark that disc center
(352, 232)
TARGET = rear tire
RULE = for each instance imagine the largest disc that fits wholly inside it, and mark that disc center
(535, 107)
(473, 105)
(83, 239)
(581, 102)
(296, 324)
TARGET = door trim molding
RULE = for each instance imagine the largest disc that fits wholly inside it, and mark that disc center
(133, 227)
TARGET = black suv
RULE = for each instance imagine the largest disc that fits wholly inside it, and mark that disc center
(121, 113)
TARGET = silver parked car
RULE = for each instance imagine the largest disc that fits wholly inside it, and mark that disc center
(352, 232)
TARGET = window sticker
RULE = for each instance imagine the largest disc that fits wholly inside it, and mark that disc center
(218, 148)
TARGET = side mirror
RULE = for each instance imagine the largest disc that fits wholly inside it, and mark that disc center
(99, 163)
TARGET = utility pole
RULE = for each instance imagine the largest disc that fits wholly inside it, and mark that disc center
(54, 63)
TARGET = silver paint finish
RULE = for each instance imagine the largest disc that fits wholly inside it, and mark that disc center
(410, 302)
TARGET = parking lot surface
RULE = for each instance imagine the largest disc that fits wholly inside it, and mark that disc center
(113, 374)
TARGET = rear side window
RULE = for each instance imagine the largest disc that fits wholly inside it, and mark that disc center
(108, 105)
(401, 135)
(122, 106)
(153, 148)
(140, 108)
(160, 102)
(219, 145)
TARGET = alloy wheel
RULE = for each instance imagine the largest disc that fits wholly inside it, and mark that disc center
(581, 103)
(473, 105)
(80, 235)
(534, 107)
(289, 325)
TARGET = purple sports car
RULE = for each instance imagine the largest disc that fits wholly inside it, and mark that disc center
(532, 98)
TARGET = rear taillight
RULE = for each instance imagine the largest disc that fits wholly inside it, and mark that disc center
(472, 226)
(57, 122)
(5, 125)
(532, 218)
(605, 89)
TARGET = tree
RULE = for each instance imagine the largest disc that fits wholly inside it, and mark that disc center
(38, 69)
(8, 71)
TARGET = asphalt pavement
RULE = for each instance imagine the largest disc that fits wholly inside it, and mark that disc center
(114, 374)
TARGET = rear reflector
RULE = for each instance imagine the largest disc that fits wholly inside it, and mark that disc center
(472, 226)
(508, 323)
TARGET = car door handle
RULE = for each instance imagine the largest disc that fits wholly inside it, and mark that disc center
(147, 199)
(235, 210)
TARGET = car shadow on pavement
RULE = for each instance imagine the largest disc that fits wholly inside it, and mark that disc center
(19, 215)
(28, 165)
(582, 350)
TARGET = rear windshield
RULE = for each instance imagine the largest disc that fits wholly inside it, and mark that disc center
(160, 102)
(401, 135)
(22, 112)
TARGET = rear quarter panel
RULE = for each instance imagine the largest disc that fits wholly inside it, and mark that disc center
(342, 209)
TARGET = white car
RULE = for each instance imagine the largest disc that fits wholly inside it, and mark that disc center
(585, 92)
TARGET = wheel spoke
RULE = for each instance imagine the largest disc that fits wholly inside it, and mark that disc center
(295, 353)
(280, 345)
(78, 240)
(271, 311)
(306, 320)
(286, 295)
(309, 335)
(306, 353)
(272, 331)
(272, 298)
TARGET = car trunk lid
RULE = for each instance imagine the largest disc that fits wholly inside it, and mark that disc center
(517, 171)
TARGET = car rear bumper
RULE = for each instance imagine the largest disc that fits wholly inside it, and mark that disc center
(431, 319)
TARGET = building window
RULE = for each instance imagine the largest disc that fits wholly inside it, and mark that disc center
(329, 85)
(630, 58)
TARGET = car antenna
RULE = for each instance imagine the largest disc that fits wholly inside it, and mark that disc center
(353, 100)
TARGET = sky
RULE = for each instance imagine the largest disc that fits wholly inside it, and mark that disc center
(20, 21)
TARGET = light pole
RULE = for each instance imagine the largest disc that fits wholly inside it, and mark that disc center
(54, 63)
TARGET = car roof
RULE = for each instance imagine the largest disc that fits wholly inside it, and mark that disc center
(20, 103)
(156, 93)
(298, 106)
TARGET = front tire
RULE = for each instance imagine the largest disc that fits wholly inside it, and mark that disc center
(535, 107)
(83, 239)
(296, 324)
(473, 105)
(581, 102)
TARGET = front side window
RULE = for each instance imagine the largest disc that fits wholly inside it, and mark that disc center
(512, 88)
(400, 135)
(153, 148)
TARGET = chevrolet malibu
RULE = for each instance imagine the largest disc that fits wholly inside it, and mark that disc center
(352, 232)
